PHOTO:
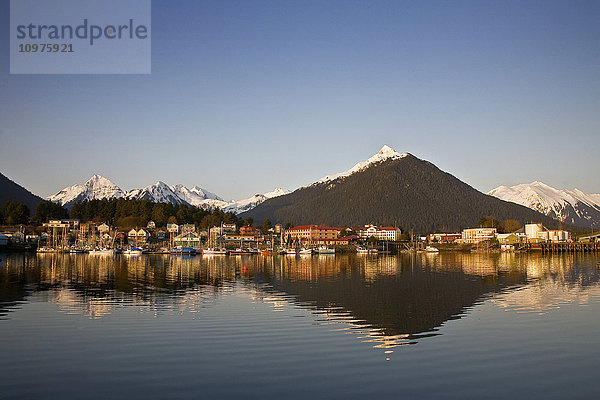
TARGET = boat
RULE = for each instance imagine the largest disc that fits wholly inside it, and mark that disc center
(133, 251)
(101, 252)
(47, 250)
(291, 252)
(267, 252)
(180, 250)
(214, 251)
(364, 250)
(431, 249)
(240, 252)
(326, 250)
(304, 251)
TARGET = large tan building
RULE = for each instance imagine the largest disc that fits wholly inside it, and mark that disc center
(476, 235)
(311, 233)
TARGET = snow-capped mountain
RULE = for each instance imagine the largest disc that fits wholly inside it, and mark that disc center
(386, 153)
(160, 192)
(248, 204)
(96, 188)
(276, 193)
(571, 206)
(195, 196)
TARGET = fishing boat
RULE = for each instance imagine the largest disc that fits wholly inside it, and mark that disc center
(101, 252)
(180, 250)
(291, 252)
(431, 249)
(133, 251)
(305, 251)
(214, 252)
(326, 250)
(240, 252)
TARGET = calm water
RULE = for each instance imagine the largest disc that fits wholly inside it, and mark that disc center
(425, 326)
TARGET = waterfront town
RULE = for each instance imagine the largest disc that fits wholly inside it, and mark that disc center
(73, 236)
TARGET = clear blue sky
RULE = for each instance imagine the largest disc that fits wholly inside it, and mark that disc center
(245, 96)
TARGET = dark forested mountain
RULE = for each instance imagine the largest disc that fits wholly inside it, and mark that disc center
(404, 190)
(10, 191)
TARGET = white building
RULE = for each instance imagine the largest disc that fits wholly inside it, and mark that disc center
(532, 230)
(387, 233)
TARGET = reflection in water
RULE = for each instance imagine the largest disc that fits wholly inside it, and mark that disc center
(386, 301)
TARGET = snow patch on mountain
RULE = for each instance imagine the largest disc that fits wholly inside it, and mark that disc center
(386, 153)
(160, 192)
(570, 206)
(195, 196)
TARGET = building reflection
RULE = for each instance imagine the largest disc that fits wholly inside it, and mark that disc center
(387, 301)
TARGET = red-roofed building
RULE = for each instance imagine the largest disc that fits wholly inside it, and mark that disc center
(311, 233)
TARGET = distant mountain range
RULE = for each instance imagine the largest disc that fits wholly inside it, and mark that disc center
(392, 188)
(99, 187)
(11, 191)
(570, 206)
(388, 188)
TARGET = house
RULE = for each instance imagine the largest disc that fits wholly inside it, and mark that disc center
(188, 239)
(138, 236)
(508, 238)
(143, 235)
(161, 235)
(173, 228)
(103, 228)
(132, 234)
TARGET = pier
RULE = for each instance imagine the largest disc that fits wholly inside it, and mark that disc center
(575, 247)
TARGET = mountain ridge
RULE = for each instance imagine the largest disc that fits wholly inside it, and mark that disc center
(12, 191)
(99, 187)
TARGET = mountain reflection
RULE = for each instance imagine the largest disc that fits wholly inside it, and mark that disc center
(389, 301)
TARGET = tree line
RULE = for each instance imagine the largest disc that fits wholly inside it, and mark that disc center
(123, 213)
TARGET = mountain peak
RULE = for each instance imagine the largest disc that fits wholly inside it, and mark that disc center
(96, 188)
(99, 180)
(386, 153)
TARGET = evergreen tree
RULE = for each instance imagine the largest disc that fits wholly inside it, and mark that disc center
(15, 213)
(48, 210)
